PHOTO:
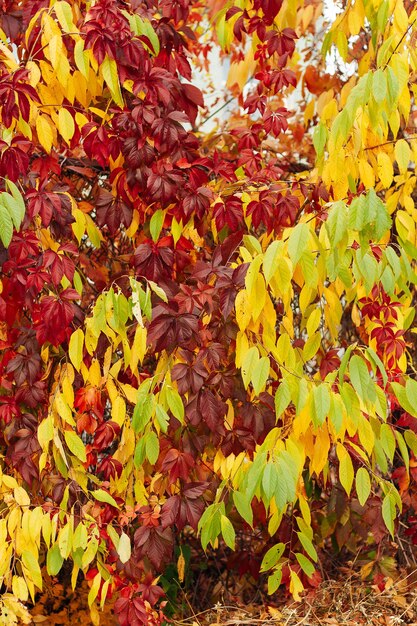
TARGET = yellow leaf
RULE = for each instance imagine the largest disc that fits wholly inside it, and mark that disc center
(19, 588)
(181, 567)
(63, 409)
(118, 411)
(59, 61)
(21, 496)
(402, 155)
(8, 57)
(241, 71)
(124, 549)
(243, 313)
(385, 169)
(66, 124)
(367, 174)
(257, 297)
(138, 347)
(76, 345)
(65, 540)
(320, 450)
(31, 568)
(92, 594)
(67, 388)
(94, 373)
(296, 586)
(44, 132)
(242, 347)
(346, 471)
(45, 432)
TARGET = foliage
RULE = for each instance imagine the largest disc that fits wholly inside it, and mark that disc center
(211, 330)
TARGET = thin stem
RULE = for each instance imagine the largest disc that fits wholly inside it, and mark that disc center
(206, 119)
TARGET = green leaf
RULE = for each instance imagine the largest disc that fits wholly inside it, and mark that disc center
(403, 449)
(363, 485)
(274, 581)
(387, 439)
(104, 496)
(156, 223)
(337, 222)
(378, 363)
(142, 27)
(162, 417)
(228, 531)
(306, 565)
(359, 376)
(321, 403)
(272, 556)
(32, 568)
(18, 198)
(243, 506)
(269, 481)
(6, 226)
(379, 86)
(298, 241)
(209, 524)
(270, 260)
(75, 445)
(319, 138)
(307, 545)
(54, 560)
(139, 455)
(411, 441)
(13, 208)
(260, 375)
(411, 394)
(152, 447)
(389, 512)
(358, 213)
(142, 413)
(344, 362)
(81, 58)
(175, 403)
(250, 360)
(282, 398)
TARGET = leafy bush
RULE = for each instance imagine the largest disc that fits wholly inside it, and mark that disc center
(203, 330)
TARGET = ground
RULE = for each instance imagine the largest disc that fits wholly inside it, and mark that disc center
(347, 601)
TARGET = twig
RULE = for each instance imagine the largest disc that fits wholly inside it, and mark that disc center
(206, 119)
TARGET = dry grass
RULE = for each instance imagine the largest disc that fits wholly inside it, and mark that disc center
(348, 602)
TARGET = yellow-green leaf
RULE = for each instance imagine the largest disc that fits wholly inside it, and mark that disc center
(111, 77)
(75, 445)
(124, 548)
(346, 471)
(402, 155)
(363, 485)
(104, 496)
